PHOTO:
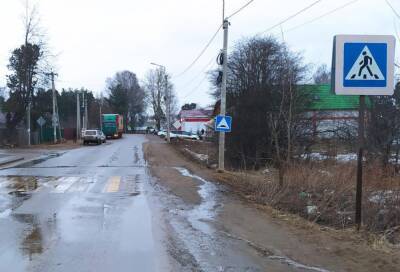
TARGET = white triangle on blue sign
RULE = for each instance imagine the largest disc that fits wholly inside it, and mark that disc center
(365, 67)
(223, 124)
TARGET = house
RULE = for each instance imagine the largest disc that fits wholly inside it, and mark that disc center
(331, 113)
(194, 120)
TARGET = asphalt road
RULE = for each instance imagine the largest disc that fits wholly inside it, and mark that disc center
(97, 208)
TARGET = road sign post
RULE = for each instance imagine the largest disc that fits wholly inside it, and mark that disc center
(41, 121)
(223, 123)
(361, 141)
(362, 65)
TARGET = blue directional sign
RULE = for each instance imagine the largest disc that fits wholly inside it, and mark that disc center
(223, 123)
(363, 65)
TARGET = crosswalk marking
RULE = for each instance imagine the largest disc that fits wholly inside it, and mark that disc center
(63, 184)
(113, 184)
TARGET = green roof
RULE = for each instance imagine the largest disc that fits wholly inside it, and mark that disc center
(324, 99)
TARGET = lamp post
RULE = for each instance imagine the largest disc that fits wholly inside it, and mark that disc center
(166, 98)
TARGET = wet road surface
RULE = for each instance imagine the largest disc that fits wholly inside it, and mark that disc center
(97, 208)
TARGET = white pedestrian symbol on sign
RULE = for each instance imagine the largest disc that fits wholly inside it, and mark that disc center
(223, 124)
(365, 67)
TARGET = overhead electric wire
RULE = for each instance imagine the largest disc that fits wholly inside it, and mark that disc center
(209, 67)
(393, 9)
(290, 17)
(323, 15)
(201, 53)
(240, 9)
(196, 88)
(205, 68)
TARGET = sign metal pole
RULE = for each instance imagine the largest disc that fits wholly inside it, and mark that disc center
(361, 143)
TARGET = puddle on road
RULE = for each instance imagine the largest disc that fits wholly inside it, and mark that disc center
(14, 191)
(23, 183)
(206, 211)
(32, 242)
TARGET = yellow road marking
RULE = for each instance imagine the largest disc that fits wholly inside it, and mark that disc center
(113, 184)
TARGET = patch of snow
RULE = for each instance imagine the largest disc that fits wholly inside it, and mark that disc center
(320, 157)
(266, 171)
(314, 156)
(201, 157)
(324, 172)
(312, 209)
(346, 157)
(381, 197)
(296, 264)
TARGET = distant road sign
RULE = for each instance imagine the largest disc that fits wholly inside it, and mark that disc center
(223, 123)
(177, 124)
(363, 64)
(41, 121)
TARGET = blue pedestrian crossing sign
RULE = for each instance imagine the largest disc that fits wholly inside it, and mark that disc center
(223, 123)
(363, 65)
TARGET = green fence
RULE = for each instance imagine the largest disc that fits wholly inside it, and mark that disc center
(46, 135)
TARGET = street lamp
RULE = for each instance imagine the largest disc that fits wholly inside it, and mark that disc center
(167, 99)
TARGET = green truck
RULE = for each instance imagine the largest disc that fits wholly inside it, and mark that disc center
(113, 125)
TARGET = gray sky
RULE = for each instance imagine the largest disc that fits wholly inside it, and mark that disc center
(96, 38)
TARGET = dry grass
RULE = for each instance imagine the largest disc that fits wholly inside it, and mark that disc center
(324, 193)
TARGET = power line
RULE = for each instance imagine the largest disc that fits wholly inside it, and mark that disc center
(291, 17)
(205, 68)
(240, 9)
(393, 9)
(200, 83)
(196, 88)
(201, 53)
(323, 15)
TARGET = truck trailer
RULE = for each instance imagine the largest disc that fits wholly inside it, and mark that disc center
(113, 125)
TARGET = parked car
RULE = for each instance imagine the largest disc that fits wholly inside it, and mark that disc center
(162, 133)
(93, 136)
(183, 135)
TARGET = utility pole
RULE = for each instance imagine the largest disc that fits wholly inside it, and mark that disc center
(29, 121)
(221, 148)
(86, 114)
(78, 117)
(55, 118)
(100, 105)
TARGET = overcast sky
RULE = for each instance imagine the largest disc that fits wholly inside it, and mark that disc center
(96, 38)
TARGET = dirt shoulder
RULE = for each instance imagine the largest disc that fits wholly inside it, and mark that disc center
(269, 231)
(162, 160)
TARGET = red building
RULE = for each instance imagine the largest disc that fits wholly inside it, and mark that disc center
(194, 120)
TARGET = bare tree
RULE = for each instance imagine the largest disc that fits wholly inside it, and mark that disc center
(322, 75)
(264, 99)
(383, 127)
(25, 66)
(155, 84)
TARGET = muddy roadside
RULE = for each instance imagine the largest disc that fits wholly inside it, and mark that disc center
(271, 233)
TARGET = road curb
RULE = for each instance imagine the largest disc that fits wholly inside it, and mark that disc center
(11, 160)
